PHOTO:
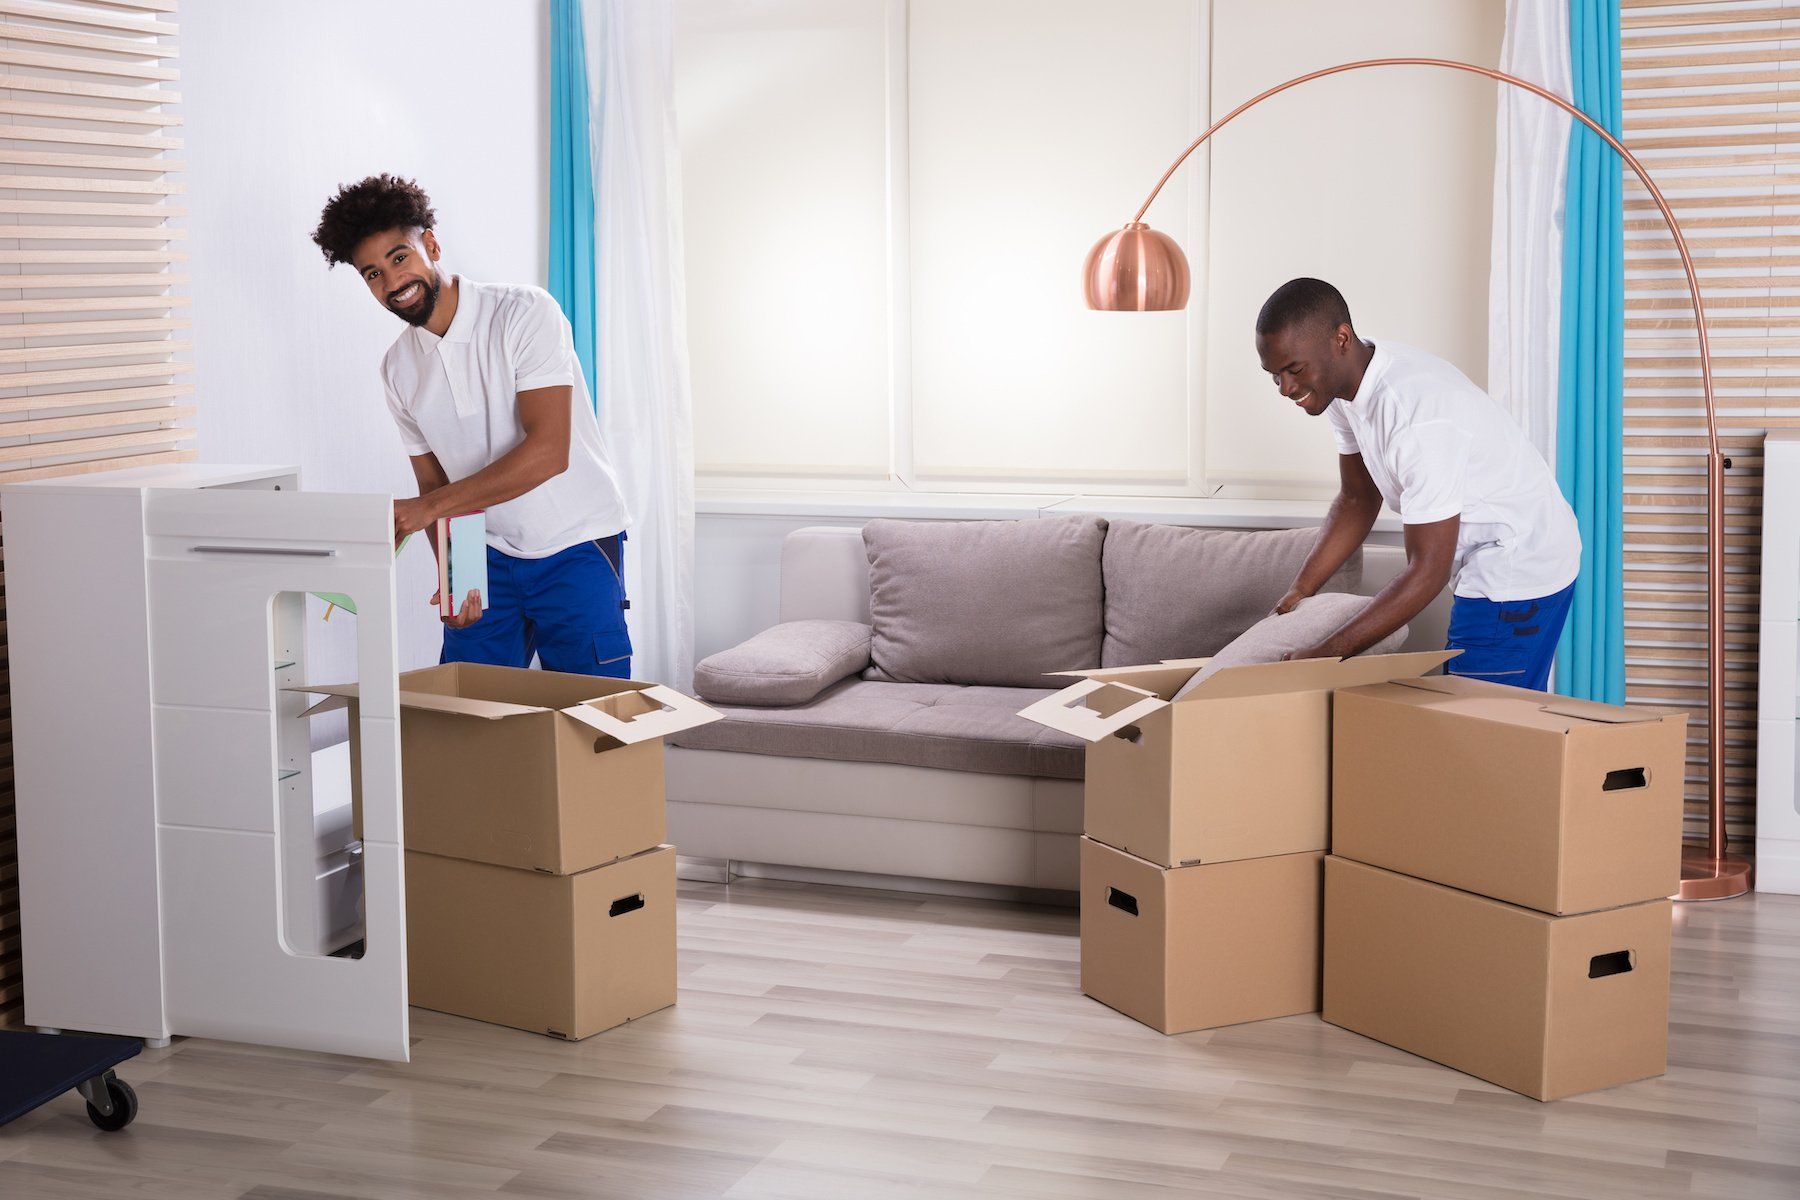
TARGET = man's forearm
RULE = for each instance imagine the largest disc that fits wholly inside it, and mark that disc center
(1347, 525)
(1404, 598)
(508, 477)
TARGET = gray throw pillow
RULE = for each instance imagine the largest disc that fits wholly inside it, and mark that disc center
(1307, 624)
(1175, 592)
(787, 664)
(997, 603)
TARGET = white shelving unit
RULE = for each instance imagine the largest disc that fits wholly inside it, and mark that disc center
(1778, 670)
(176, 876)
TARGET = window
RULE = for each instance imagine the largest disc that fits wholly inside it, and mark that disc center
(888, 202)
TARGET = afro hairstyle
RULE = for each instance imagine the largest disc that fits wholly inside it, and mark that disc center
(369, 206)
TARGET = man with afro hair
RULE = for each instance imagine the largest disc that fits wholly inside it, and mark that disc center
(492, 407)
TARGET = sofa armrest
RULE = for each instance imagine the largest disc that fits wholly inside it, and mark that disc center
(787, 664)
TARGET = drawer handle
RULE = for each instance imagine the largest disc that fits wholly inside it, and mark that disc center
(283, 551)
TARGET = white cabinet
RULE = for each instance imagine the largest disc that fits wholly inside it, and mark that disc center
(1778, 669)
(173, 877)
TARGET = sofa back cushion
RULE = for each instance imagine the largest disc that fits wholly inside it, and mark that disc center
(996, 603)
(1178, 592)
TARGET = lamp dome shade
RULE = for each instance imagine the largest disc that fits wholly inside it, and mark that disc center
(1136, 269)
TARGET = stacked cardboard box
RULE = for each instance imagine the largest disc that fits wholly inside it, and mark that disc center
(1496, 899)
(1206, 822)
(539, 893)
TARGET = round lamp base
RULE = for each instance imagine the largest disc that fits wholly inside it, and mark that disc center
(1706, 878)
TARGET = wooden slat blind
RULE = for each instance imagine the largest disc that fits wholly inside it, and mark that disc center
(1719, 129)
(92, 352)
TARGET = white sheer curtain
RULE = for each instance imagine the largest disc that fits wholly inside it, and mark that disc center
(644, 401)
(1530, 183)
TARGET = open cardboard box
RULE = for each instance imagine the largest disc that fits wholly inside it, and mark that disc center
(1547, 1006)
(1561, 805)
(532, 769)
(564, 955)
(1240, 767)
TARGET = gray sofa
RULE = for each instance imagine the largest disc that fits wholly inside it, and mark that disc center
(875, 730)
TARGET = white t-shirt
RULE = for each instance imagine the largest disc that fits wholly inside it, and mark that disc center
(457, 397)
(1437, 447)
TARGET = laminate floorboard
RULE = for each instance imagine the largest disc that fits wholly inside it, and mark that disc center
(839, 1044)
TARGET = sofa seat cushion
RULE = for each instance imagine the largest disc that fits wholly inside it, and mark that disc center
(914, 724)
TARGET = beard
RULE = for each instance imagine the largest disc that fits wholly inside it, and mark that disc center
(421, 309)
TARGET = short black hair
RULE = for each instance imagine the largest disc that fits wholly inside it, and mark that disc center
(1299, 301)
(369, 206)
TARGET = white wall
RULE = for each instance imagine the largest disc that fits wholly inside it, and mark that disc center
(1016, 133)
(285, 101)
(1379, 181)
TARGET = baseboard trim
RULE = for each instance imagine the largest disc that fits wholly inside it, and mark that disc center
(718, 870)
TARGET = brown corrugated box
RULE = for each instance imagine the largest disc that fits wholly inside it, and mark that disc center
(1547, 1006)
(1561, 805)
(1188, 948)
(532, 769)
(1238, 768)
(565, 955)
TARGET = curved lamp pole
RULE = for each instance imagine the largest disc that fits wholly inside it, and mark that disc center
(1138, 269)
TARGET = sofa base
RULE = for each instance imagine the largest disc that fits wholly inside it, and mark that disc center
(725, 871)
(1004, 830)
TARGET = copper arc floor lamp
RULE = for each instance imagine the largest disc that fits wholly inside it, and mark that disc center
(1138, 269)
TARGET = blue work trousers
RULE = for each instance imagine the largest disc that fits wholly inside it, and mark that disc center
(1509, 641)
(567, 609)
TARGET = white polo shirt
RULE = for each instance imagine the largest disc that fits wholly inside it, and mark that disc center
(457, 397)
(1437, 447)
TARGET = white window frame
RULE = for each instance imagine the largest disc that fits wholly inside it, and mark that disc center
(903, 475)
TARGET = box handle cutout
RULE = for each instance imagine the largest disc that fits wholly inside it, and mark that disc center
(625, 904)
(1132, 734)
(1124, 901)
(1616, 963)
(1626, 778)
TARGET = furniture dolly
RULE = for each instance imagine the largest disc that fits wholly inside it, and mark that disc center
(36, 1068)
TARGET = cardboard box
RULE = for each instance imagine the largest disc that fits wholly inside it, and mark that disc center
(566, 955)
(1238, 768)
(1547, 1006)
(532, 769)
(1561, 805)
(1190, 948)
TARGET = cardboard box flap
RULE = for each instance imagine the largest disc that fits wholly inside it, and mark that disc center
(340, 694)
(462, 706)
(663, 711)
(1060, 712)
(1159, 679)
(1316, 674)
(1593, 710)
(1501, 702)
(328, 704)
(1462, 685)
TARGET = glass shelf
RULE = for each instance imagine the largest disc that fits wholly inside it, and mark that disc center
(282, 666)
(281, 776)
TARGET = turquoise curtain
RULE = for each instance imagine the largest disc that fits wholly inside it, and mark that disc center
(1590, 661)
(571, 272)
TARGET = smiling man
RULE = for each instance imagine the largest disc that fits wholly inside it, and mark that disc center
(1478, 504)
(494, 411)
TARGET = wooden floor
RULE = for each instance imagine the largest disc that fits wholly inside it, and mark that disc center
(845, 1044)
